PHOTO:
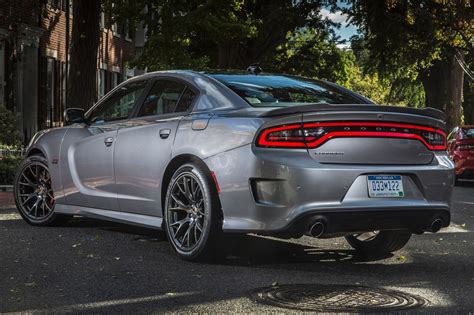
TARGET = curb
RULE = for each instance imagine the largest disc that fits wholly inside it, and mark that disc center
(6, 188)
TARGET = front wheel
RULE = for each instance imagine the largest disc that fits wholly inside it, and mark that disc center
(34, 196)
(378, 242)
(192, 213)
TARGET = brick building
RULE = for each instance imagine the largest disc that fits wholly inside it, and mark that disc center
(33, 60)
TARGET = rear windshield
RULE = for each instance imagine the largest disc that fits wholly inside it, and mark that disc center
(283, 91)
(469, 132)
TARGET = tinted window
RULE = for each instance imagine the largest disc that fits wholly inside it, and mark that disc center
(282, 91)
(167, 97)
(185, 101)
(468, 132)
(120, 104)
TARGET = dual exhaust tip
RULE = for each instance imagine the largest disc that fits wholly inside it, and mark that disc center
(319, 227)
(436, 225)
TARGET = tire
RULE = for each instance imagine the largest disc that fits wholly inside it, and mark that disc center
(192, 213)
(384, 242)
(30, 190)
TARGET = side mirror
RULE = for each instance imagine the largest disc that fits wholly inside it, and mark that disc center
(74, 116)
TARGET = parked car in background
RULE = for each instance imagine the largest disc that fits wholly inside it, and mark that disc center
(461, 151)
(198, 154)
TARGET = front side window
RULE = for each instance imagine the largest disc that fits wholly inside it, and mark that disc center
(166, 97)
(119, 105)
(283, 91)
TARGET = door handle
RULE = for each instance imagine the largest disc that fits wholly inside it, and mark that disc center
(108, 141)
(165, 133)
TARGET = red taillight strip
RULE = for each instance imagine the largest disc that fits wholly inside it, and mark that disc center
(373, 124)
(381, 134)
(262, 139)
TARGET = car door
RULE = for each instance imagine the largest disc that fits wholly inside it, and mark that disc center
(144, 146)
(88, 171)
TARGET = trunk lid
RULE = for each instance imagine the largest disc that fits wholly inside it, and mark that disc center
(367, 134)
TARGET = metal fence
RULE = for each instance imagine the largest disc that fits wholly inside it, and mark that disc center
(11, 153)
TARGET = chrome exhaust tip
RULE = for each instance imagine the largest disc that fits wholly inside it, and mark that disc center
(436, 225)
(317, 229)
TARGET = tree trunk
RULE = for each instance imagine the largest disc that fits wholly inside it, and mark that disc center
(82, 79)
(468, 104)
(443, 85)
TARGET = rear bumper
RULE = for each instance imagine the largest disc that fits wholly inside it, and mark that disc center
(465, 165)
(340, 223)
(276, 191)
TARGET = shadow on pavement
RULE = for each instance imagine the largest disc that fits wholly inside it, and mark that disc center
(148, 276)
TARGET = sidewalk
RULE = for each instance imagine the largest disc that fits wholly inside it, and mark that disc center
(6, 200)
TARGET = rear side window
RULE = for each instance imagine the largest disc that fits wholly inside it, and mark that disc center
(283, 91)
(166, 97)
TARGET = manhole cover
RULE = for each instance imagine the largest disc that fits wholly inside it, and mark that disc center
(336, 298)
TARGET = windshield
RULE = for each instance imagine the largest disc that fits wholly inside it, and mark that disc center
(283, 91)
(469, 132)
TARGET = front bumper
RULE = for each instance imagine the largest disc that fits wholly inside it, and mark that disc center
(272, 191)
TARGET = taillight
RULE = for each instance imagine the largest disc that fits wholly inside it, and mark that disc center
(287, 136)
(464, 147)
(312, 135)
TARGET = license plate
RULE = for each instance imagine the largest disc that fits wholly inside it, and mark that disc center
(385, 186)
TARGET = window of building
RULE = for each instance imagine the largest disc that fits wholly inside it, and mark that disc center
(57, 4)
(50, 91)
(2, 73)
(115, 79)
(101, 83)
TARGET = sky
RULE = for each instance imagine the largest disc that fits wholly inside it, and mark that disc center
(346, 31)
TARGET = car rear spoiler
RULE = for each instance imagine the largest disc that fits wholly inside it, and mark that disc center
(427, 112)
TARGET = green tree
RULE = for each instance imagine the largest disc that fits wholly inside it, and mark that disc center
(423, 39)
(314, 53)
(215, 33)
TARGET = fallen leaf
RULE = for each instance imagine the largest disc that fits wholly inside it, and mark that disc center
(274, 284)
(401, 258)
(117, 258)
(75, 245)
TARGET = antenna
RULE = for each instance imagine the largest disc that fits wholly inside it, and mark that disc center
(255, 69)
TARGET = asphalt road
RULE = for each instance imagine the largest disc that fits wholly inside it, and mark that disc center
(93, 266)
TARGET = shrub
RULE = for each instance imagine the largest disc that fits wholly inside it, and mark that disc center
(9, 135)
(8, 166)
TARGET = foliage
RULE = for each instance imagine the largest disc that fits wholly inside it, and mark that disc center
(9, 134)
(408, 36)
(394, 88)
(215, 33)
(8, 167)
(420, 40)
(314, 53)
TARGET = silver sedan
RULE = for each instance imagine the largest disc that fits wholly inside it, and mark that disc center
(200, 154)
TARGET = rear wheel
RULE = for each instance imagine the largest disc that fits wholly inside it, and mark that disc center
(378, 242)
(34, 196)
(192, 213)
